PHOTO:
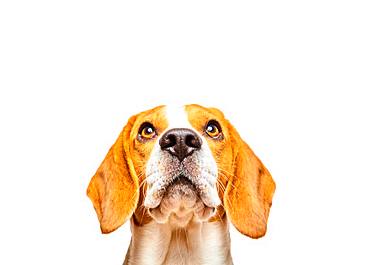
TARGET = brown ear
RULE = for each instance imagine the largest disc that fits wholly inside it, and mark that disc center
(249, 191)
(113, 188)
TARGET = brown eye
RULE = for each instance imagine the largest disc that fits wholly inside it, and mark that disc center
(147, 131)
(213, 129)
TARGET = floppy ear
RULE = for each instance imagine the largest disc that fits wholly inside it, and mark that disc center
(113, 188)
(249, 191)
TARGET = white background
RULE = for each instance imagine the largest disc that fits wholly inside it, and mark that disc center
(293, 77)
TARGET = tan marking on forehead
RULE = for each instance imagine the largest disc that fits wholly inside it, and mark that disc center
(198, 116)
(155, 116)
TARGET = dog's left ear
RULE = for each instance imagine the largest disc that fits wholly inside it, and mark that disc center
(249, 191)
(113, 189)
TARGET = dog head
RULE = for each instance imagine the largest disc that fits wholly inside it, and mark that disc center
(176, 165)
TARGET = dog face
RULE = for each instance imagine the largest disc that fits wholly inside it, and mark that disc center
(182, 164)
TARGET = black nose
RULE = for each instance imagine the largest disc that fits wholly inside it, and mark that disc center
(180, 142)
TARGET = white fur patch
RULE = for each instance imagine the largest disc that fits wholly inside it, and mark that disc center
(177, 117)
(199, 243)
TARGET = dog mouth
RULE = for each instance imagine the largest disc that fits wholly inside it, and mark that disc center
(181, 182)
(183, 188)
(180, 202)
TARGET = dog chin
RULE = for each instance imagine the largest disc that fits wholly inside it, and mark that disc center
(181, 203)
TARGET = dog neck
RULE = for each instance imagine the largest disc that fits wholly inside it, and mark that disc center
(198, 243)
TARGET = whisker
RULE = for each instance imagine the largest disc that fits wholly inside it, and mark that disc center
(221, 184)
(142, 216)
(187, 238)
(219, 187)
(227, 172)
(178, 243)
(224, 188)
(219, 217)
(223, 175)
(138, 189)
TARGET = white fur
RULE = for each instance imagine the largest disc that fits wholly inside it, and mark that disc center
(198, 244)
(177, 117)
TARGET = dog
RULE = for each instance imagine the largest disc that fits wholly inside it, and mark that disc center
(181, 174)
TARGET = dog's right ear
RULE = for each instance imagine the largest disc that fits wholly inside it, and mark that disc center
(249, 192)
(113, 189)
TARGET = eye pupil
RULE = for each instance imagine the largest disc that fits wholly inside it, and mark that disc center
(213, 130)
(147, 131)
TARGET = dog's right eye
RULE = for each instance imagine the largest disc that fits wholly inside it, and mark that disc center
(147, 131)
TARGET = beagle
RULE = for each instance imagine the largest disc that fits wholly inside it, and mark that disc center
(180, 174)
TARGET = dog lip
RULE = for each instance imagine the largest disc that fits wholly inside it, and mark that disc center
(180, 180)
(181, 183)
(176, 183)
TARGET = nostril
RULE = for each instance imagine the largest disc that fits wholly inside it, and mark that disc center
(193, 141)
(168, 141)
(180, 142)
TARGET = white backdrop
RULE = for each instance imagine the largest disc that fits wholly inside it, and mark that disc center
(293, 77)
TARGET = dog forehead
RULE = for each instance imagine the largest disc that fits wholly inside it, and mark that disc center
(166, 117)
(187, 116)
(177, 117)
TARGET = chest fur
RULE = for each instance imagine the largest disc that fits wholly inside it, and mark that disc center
(199, 243)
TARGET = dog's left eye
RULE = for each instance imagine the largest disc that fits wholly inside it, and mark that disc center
(213, 129)
(147, 131)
